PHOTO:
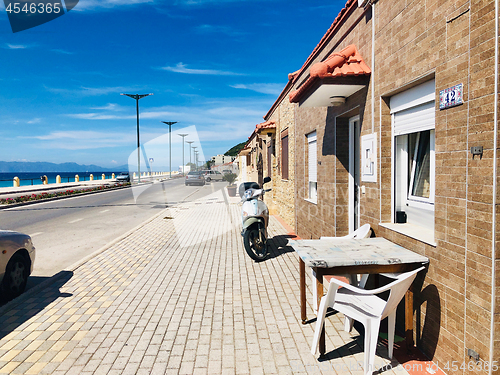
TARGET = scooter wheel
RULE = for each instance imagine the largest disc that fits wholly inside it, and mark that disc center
(255, 249)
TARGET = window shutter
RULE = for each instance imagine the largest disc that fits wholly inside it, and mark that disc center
(415, 119)
(312, 141)
(284, 158)
(269, 154)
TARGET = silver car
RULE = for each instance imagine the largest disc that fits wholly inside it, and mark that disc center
(195, 178)
(213, 175)
(17, 255)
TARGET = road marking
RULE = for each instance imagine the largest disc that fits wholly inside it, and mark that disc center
(103, 211)
(35, 234)
(75, 221)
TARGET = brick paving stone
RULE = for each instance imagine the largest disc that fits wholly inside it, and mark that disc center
(177, 296)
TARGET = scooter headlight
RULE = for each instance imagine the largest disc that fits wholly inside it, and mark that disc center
(248, 194)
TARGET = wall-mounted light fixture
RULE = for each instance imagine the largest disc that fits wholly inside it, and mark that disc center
(337, 100)
(477, 150)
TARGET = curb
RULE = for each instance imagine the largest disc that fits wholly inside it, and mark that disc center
(44, 189)
(26, 295)
(6, 206)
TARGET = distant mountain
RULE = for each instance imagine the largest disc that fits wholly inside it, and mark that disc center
(17, 166)
(235, 150)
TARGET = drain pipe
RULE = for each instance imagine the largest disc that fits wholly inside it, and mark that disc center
(494, 225)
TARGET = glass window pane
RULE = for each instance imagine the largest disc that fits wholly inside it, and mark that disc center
(313, 193)
(422, 173)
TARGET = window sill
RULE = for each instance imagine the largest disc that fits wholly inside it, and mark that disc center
(310, 201)
(413, 231)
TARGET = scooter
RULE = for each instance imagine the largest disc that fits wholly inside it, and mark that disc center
(255, 218)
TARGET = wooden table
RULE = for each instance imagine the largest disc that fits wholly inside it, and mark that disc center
(355, 256)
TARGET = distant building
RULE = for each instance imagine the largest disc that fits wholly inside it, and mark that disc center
(187, 169)
(222, 159)
(224, 168)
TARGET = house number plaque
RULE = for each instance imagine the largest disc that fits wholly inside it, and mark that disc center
(450, 97)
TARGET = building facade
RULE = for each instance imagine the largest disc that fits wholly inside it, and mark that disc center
(222, 159)
(394, 121)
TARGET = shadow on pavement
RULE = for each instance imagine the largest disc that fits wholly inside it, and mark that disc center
(278, 245)
(20, 310)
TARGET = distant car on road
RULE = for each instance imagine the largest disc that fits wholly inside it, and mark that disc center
(195, 178)
(17, 255)
(123, 177)
(213, 175)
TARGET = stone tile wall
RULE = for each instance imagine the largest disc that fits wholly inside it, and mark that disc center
(451, 42)
(281, 200)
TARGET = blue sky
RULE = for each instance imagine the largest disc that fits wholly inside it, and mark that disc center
(217, 65)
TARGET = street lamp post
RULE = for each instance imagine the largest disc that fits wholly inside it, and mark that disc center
(137, 97)
(183, 135)
(170, 123)
(194, 157)
(189, 151)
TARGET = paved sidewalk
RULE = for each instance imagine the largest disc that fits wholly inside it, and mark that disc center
(178, 296)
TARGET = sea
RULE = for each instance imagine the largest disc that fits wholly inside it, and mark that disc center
(33, 178)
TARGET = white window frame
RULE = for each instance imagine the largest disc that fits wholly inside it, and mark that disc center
(432, 176)
(312, 183)
(423, 94)
(353, 214)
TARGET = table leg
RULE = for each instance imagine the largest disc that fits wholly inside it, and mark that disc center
(409, 318)
(302, 271)
(319, 294)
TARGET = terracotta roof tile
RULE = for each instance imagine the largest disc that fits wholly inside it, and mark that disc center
(266, 125)
(350, 4)
(347, 62)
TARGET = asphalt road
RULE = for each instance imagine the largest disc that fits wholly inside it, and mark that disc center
(66, 231)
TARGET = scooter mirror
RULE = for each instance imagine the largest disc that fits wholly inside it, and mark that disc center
(266, 180)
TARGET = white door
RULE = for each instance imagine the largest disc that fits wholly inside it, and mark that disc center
(354, 173)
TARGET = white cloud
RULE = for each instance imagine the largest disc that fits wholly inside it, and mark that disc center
(92, 91)
(263, 88)
(182, 68)
(110, 107)
(212, 29)
(64, 52)
(84, 139)
(35, 121)
(84, 5)
(216, 120)
(16, 46)
(99, 116)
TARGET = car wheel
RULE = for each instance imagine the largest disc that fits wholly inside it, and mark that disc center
(208, 179)
(16, 276)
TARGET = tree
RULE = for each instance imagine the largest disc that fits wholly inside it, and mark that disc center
(235, 150)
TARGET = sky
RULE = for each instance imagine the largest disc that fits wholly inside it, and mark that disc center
(213, 66)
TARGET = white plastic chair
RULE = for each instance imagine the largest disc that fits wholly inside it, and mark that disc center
(363, 231)
(367, 308)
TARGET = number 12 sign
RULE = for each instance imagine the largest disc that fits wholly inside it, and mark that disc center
(451, 96)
